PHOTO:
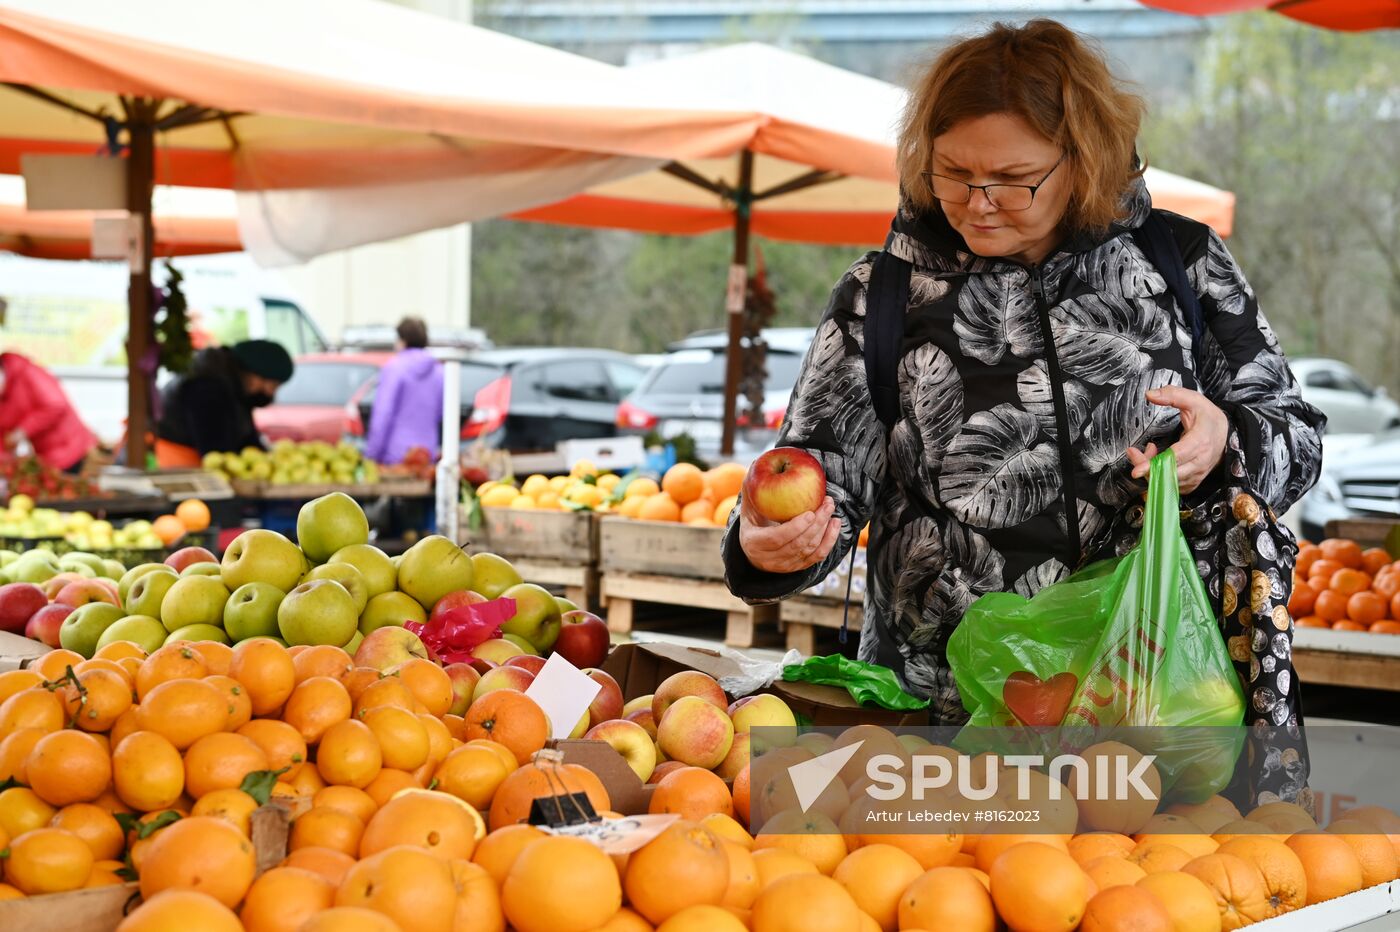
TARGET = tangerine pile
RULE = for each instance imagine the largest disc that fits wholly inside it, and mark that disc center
(151, 765)
(1338, 585)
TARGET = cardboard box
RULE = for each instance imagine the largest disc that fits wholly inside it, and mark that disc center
(626, 791)
(17, 650)
(640, 668)
(101, 909)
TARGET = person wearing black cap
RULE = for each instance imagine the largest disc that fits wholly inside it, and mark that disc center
(210, 408)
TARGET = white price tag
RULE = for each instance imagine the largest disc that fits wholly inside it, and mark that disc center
(618, 836)
(564, 692)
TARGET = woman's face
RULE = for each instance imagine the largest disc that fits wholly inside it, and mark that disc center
(1002, 149)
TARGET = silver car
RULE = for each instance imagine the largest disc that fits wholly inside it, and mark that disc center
(1351, 405)
(1360, 479)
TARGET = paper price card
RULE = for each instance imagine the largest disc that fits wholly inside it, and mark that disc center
(618, 836)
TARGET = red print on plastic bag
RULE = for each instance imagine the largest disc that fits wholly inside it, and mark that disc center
(1039, 702)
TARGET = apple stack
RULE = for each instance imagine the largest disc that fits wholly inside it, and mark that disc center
(334, 589)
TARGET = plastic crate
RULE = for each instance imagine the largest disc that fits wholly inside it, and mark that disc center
(55, 545)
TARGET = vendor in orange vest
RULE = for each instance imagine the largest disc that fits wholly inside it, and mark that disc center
(210, 408)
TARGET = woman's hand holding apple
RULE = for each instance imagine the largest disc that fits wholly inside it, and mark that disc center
(788, 546)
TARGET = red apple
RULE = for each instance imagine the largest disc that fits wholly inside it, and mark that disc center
(455, 600)
(503, 678)
(694, 732)
(188, 556)
(664, 768)
(607, 705)
(583, 639)
(784, 483)
(526, 662)
(52, 586)
(481, 665)
(18, 603)
(464, 678)
(687, 683)
(80, 592)
(44, 624)
(643, 717)
(387, 647)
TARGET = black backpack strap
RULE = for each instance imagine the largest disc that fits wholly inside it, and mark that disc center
(1157, 241)
(886, 300)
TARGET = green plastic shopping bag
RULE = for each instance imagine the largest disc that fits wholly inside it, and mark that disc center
(1130, 644)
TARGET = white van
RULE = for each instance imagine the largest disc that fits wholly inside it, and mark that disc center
(71, 317)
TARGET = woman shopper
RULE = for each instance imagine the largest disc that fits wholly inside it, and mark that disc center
(407, 408)
(33, 404)
(1044, 360)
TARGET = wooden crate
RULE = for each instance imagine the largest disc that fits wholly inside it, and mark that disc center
(660, 548)
(549, 548)
(745, 625)
(1368, 532)
(1347, 658)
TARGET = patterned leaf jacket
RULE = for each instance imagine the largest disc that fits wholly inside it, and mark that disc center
(1020, 389)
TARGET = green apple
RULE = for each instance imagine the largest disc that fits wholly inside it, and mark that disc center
(193, 600)
(329, 523)
(536, 617)
(317, 612)
(143, 630)
(347, 576)
(378, 570)
(136, 572)
(521, 643)
(82, 629)
(113, 570)
(90, 560)
(78, 567)
(492, 575)
(354, 643)
(260, 555)
(198, 633)
(202, 569)
(251, 611)
(8, 556)
(564, 605)
(34, 566)
(148, 592)
(432, 568)
(390, 608)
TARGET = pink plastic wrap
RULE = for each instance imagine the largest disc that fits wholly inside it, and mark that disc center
(454, 634)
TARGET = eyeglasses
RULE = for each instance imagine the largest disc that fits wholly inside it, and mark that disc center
(1000, 196)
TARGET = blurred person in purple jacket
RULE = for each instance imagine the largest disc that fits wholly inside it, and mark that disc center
(407, 408)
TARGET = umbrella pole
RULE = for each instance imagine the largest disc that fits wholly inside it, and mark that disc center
(738, 291)
(140, 179)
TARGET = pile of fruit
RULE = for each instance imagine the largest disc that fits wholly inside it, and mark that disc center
(410, 815)
(1338, 585)
(685, 493)
(27, 476)
(292, 463)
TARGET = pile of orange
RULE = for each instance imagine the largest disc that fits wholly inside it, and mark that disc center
(191, 516)
(686, 494)
(409, 818)
(1339, 585)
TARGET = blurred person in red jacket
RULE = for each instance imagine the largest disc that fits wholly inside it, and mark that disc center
(32, 403)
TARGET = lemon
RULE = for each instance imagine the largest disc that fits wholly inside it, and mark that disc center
(583, 468)
(590, 496)
(535, 485)
(641, 487)
(609, 482)
(499, 497)
(548, 500)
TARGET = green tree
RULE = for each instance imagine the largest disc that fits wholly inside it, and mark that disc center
(1303, 124)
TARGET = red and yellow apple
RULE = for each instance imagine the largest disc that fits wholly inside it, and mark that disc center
(529, 662)
(386, 648)
(737, 758)
(694, 732)
(503, 678)
(189, 556)
(771, 715)
(464, 678)
(687, 683)
(607, 705)
(497, 650)
(644, 718)
(44, 625)
(785, 482)
(629, 740)
(80, 592)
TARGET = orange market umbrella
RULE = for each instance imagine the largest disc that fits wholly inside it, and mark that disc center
(340, 122)
(819, 167)
(1344, 15)
(188, 222)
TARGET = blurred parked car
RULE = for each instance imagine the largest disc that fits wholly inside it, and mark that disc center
(1351, 405)
(530, 398)
(684, 393)
(311, 406)
(383, 337)
(1360, 479)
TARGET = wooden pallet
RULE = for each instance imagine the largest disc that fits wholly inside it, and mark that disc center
(804, 619)
(623, 593)
(1357, 659)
